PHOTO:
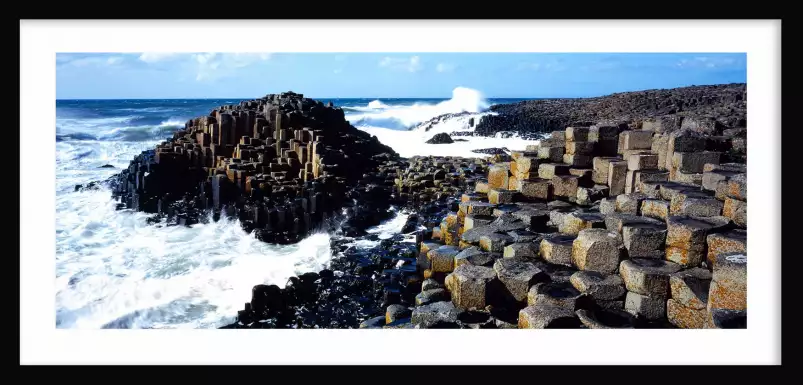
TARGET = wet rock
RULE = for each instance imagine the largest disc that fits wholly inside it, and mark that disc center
(441, 138)
(431, 315)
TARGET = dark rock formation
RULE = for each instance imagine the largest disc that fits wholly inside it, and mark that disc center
(282, 164)
(442, 138)
(710, 109)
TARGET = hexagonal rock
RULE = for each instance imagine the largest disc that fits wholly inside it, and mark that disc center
(473, 256)
(547, 317)
(576, 221)
(729, 242)
(736, 211)
(690, 232)
(520, 251)
(713, 177)
(635, 140)
(650, 308)
(690, 287)
(728, 288)
(684, 257)
(517, 277)
(647, 276)
(617, 177)
(565, 185)
(629, 203)
(577, 134)
(549, 170)
(685, 317)
(432, 295)
(577, 160)
(643, 239)
(554, 294)
(526, 164)
(597, 250)
(601, 165)
(498, 175)
(606, 319)
(557, 249)
(479, 208)
(499, 196)
(507, 222)
(472, 237)
(534, 218)
(668, 190)
(551, 153)
(579, 147)
(589, 195)
(472, 221)
(642, 162)
(737, 187)
(525, 236)
(495, 242)
(441, 260)
(507, 208)
(617, 221)
(533, 189)
(605, 287)
(438, 312)
(651, 189)
(655, 208)
(481, 186)
(471, 286)
(422, 260)
(693, 162)
(607, 206)
(699, 207)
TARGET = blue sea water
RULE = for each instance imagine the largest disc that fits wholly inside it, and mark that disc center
(113, 270)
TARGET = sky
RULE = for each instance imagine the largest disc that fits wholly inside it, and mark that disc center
(168, 75)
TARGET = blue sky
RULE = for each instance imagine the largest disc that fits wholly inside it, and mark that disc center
(384, 75)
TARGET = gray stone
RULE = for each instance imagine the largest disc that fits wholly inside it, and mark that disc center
(690, 233)
(472, 221)
(534, 218)
(439, 312)
(701, 207)
(606, 319)
(635, 140)
(373, 323)
(524, 236)
(473, 235)
(441, 260)
(395, 313)
(685, 317)
(605, 287)
(549, 170)
(643, 239)
(630, 203)
(601, 166)
(597, 250)
(495, 242)
(711, 178)
(565, 185)
(642, 162)
(471, 286)
(432, 295)
(728, 242)
(430, 284)
(589, 195)
(728, 319)
(649, 308)
(554, 294)
(728, 288)
(547, 317)
(574, 222)
(527, 250)
(617, 177)
(577, 134)
(473, 256)
(690, 287)
(693, 162)
(607, 206)
(617, 221)
(737, 187)
(655, 208)
(647, 276)
(557, 249)
(518, 276)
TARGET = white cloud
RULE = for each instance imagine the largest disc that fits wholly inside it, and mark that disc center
(707, 62)
(412, 64)
(212, 65)
(153, 57)
(445, 67)
(94, 61)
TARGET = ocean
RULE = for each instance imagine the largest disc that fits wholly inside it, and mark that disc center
(114, 270)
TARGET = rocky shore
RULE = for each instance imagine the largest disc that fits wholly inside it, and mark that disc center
(631, 214)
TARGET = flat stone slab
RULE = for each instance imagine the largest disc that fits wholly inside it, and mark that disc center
(606, 287)
(606, 319)
(554, 294)
(647, 276)
(474, 256)
(439, 312)
(642, 240)
(547, 317)
(518, 276)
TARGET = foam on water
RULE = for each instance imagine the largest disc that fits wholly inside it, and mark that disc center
(391, 125)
